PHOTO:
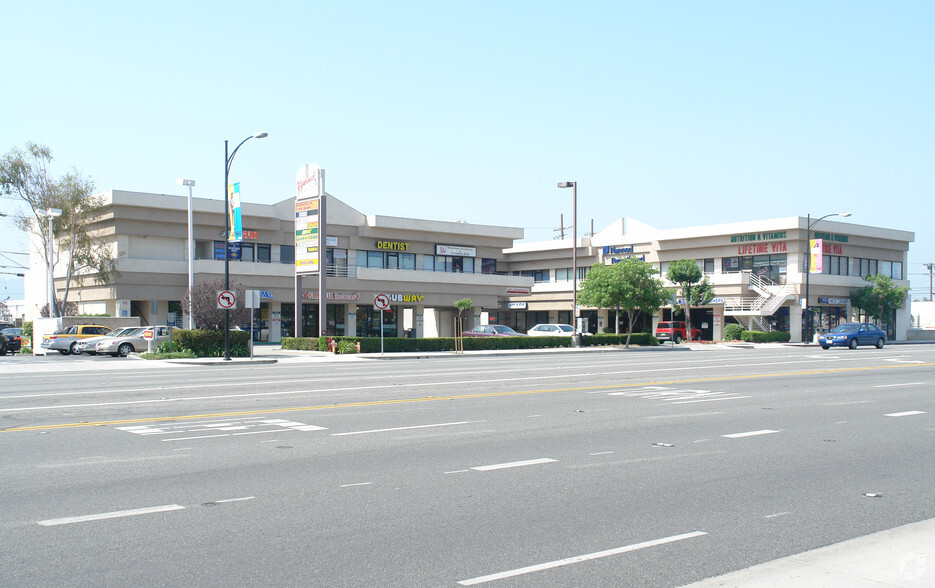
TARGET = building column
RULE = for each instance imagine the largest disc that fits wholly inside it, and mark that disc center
(418, 321)
(795, 323)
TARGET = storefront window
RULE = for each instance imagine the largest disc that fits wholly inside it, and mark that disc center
(368, 321)
(488, 266)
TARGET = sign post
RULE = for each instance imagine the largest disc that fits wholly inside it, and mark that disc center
(381, 302)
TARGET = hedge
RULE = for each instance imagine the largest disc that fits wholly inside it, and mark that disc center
(761, 337)
(204, 343)
(397, 344)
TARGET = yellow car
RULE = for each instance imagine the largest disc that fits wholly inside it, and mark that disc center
(67, 341)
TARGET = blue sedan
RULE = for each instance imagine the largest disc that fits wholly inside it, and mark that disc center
(853, 334)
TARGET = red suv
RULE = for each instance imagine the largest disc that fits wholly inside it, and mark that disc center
(675, 331)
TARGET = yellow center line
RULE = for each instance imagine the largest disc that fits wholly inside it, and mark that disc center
(455, 397)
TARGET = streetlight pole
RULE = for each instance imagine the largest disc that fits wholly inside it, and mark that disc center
(808, 267)
(191, 250)
(929, 267)
(228, 159)
(574, 256)
(51, 213)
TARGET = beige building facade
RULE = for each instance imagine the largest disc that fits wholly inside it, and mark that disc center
(757, 269)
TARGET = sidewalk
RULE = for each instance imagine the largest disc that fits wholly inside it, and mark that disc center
(903, 557)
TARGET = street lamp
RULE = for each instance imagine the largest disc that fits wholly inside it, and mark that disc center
(574, 257)
(191, 250)
(808, 267)
(228, 159)
(51, 213)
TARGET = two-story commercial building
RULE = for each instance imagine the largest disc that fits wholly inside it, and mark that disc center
(757, 269)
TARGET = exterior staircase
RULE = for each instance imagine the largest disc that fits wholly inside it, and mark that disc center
(751, 309)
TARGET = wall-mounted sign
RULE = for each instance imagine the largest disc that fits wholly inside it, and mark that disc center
(456, 250)
(614, 260)
(516, 305)
(761, 248)
(347, 296)
(831, 237)
(766, 236)
(517, 290)
(832, 301)
(251, 235)
(392, 245)
(612, 250)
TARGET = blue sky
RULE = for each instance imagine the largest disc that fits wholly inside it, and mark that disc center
(674, 113)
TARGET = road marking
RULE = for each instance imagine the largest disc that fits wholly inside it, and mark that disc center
(778, 514)
(110, 515)
(269, 411)
(896, 385)
(847, 403)
(683, 415)
(404, 428)
(513, 464)
(580, 558)
(705, 400)
(601, 453)
(457, 471)
(235, 499)
(356, 484)
(907, 413)
(749, 434)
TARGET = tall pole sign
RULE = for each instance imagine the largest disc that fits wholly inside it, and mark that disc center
(310, 231)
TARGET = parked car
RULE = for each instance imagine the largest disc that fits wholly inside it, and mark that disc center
(89, 345)
(66, 341)
(551, 329)
(11, 340)
(853, 334)
(136, 342)
(492, 331)
(675, 331)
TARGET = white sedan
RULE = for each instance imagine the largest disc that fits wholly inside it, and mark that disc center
(551, 330)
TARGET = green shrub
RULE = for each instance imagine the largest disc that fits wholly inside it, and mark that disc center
(611, 339)
(347, 346)
(733, 332)
(761, 337)
(204, 343)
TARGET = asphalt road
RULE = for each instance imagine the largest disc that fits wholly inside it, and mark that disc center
(640, 468)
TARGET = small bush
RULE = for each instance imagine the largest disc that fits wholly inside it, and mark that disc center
(204, 343)
(761, 337)
(611, 339)
(733, 332)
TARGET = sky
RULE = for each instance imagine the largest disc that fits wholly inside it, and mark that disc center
(676, 113)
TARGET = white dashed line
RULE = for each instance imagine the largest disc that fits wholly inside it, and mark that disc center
(513, 464)
(749, 434)
(896, 385)
(111, 515)
(579, 559)
(907, 413)
(357, 484)
(403, 428)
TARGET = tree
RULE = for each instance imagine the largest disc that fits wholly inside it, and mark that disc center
(462, 305)
(880, 299)
(206, 314)
(85, 254)
(692, 288)
(630, 286)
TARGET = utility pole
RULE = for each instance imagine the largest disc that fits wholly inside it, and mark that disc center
(561, 228)
(929, 267)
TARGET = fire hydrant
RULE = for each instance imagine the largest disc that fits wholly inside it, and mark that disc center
(358, 346)
(333, 345)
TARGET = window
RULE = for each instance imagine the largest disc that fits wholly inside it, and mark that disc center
(336, 262)
(866, 267)
(583, 273)
(287, 253)
(892, 269)
(488, 266)
(263, 252)
(390, 260)
(540, 276)
(709, 266)
(246, 252)
(448, 263)
(730, 264)
(834, 265)
(563, 274)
